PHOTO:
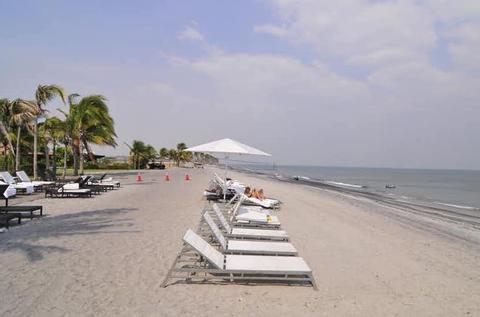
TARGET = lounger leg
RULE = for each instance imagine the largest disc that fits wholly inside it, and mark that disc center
(164, 283)
(312, 280)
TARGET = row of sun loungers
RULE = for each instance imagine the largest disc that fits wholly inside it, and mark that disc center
(237, 243)
(84, 186)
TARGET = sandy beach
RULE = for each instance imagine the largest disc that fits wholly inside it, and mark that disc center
(108, 256)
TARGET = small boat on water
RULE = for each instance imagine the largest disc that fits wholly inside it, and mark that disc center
(390, 186)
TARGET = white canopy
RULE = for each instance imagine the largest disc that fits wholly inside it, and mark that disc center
(227, 146)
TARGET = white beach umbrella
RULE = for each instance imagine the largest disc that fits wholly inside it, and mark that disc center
(227, 147)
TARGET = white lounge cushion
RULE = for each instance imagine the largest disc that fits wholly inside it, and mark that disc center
(80, 190)
(71, 186)
(24, 178)
(258, 217)
(28, 187)
(216, 231)
(266, 203)
(258, 263)
(204, 248)
(222, 219)
(41, 183)
(261, 246)
(246, 232)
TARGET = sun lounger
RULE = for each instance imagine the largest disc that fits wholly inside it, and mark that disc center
(267, 203)
(27, 188)
(248, 247)
(109, 183)
(249, 233)
(9, 191)
(22, 210)
(67, 191)
(251, 218)
(38, 185)
(208, 264)
(6, 218)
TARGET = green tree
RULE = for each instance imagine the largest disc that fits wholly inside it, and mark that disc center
(22, 114)
(88, 122)
(163, 153)
(43, 95)
(14, 114)
(5, 119)
(55, 131)
(137, 150)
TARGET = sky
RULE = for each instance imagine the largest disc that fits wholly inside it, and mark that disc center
(375, 83)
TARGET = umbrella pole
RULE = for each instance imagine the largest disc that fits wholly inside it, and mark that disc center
(225, 179)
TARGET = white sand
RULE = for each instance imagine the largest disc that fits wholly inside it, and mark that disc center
(108, 256)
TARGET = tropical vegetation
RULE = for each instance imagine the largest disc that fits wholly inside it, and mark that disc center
(86, 122)
(33, 140)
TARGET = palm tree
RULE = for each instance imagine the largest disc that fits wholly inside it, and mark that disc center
(173, 155)
(22, 113)
(5, 114)
(163, 153)
(43, 94)
(17, 113)
(55, 132)
(136, 152)
(88, 122)
(182, 155)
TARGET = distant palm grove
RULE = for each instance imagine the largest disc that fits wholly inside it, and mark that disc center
(144, 155)
(33, 141)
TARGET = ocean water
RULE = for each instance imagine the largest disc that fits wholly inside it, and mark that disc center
(451, 188)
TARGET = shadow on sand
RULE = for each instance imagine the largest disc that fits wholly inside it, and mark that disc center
(80, 223)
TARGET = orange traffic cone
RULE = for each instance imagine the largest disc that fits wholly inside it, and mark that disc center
(167, 178)
(187, 177)
(139, 177)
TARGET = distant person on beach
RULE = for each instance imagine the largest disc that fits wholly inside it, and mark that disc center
(254, 193)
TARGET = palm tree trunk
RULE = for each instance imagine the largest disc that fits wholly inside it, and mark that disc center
(5, 155)
(75, 159)
(54, 163)
(65, 162)
(35, 136)
(80, 156)
(47, 157)
(17, 157)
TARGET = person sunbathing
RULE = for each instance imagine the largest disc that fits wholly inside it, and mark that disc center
(215, 190)
(260, 194)
(254, 193)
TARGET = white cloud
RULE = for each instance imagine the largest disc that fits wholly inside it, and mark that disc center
(190, 33)
(271, 29)
(359, 30)
(465, 46)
